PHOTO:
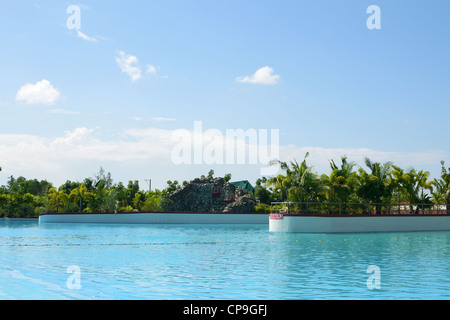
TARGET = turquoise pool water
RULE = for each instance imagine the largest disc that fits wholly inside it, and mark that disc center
(217, 262)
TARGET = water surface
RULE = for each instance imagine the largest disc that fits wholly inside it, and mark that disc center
(217, 262)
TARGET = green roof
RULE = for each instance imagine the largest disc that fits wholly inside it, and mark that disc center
(244, 184)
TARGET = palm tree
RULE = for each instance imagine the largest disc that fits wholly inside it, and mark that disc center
(279, 185)
(299, 184)
(375, 186)
(57, 198)
(423, 183)
(97, 198)
(413, 184)
(138, 200)
(306, 185)
(155, 201)
(442, 193)
(110, 202)
(341, 182)
(79, 194)
(399, 181)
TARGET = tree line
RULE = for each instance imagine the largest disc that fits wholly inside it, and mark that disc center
(22, 198)
(376, 183)
(30, 198)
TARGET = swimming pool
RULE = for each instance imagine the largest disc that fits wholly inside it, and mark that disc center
(217, 262)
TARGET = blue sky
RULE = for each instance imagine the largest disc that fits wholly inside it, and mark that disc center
(330, 85)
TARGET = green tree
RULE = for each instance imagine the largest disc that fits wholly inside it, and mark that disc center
(421, 184)
(399, 182)
(375, 186)
(155, 201)
(111, 203)
(441, 190)
(341, 182)
(19, 205)
(79, 194)
(102, 175)
(279, 185)
(68, 186)
(120, 193)
(132, 189)
(172, 186)
(138, 200)
(34, 187)
(97, 198)
(410, 185)
(299, 183)
(262, 193)
(57, 199)
(227, 177)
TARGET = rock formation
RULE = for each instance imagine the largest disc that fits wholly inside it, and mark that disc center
(210, 195)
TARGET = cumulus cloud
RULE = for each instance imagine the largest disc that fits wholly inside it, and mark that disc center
(82, 143)
(42, 92)
(263, 75)
(129, 64)
(135, 150)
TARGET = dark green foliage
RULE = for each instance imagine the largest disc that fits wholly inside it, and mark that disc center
(343, 187)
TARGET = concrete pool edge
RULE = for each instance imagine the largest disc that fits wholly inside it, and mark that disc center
(275, 222)
(355, 224)
(156, 218)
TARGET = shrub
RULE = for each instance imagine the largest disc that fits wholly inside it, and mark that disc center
(262, 208)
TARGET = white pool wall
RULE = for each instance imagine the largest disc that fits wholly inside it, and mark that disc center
(158, 218)
(350, 224)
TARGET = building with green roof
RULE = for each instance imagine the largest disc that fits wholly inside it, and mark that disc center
(244, 184)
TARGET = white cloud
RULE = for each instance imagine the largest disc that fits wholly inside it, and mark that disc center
(79, 152)
(151, 69)
(86, 37)
(163, 119)
(42, 92)
(319, 157)
(263, 75)
(62, 111)
(79, 136)
(129, 65)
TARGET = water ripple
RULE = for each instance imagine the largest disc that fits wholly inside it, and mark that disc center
(218, 262)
